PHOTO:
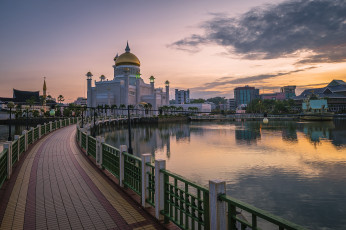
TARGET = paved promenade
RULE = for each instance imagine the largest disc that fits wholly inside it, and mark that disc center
(55, 187)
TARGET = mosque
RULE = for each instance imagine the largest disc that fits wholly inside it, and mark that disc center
(127, 87)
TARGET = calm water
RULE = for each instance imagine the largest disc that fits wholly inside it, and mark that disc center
(296, 170)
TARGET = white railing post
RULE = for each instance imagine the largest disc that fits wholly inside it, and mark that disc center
(80, 137)
(217, 208)
(99, 141)
(39, 131)
(146, 158)
(50, 126)
(159, 188)
(8, 146)
(32, 135)
(60, 123)
(16, 137)
(123, 148)
(25, 133)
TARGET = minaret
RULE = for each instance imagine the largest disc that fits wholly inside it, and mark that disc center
(127, 49)
(167, 92)
(89, 93)
(152, 81)
(44, 94)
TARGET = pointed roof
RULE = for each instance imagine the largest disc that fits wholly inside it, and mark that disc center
(44, 85)
(127, 49)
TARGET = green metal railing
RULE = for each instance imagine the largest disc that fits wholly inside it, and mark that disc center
(14, 151)
(234, 206)
(36, 133)
(92, 146)
(47, 128)
(133, 172)
(111, 159)
(21, 144)
(151, 185)
(53, 125)
(83, 140)
(3, 166)
(43, 129)
(186, 203)
(63, 123)
(30, 137)
(58, 124)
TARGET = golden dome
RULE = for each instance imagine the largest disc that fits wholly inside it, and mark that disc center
(127, 59)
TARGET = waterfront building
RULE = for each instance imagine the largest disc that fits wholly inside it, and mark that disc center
(244, 95)
(81, 101)
(334, 93)
(182, 96)
(273, 96)
(127, 87)
(289, 91)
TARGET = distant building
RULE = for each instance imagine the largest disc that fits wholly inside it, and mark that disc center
(244, 95)
(232, 105)
(289, 91)
(273, 96)
(81, 101)
(182, 96)
(334, 93)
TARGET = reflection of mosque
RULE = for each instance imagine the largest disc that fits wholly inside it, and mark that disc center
(148, 138)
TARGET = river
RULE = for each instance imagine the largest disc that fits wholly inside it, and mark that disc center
(296, 170)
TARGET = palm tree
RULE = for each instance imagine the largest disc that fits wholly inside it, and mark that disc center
(122, 107)
(61, 98)
(113, 107)
(173, 108)
(106, 107)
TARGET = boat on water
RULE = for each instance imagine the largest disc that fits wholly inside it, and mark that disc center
(316, 110)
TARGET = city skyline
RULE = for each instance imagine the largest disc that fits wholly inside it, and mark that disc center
(207, 47)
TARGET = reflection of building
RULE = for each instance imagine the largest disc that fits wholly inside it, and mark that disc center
(182, 96)
(127, 87)
(248, 132)
(334, 93)
(244, 95)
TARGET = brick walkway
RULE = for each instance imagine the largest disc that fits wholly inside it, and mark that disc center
(55, 187)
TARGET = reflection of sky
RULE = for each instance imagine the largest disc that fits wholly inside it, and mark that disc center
(277, 167)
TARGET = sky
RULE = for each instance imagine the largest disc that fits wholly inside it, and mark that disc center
(209, 47)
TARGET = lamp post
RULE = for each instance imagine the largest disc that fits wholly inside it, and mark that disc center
(27, 118)
(129, 129)
(10, 105)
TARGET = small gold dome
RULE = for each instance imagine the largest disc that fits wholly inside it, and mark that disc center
(127, 59)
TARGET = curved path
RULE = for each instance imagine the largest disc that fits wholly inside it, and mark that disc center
(55, 187)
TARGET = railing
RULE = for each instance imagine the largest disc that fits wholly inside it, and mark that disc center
(36, 133)
(111, 159)
(3, 166)
(30, 137)
(47, 128)
(9, 156)
(43, 129)
(15, 151)
(151, 185)
(92, 146)
(186, 203)
(21, 144)
(132, 172)
(236, 206)
(84, 144)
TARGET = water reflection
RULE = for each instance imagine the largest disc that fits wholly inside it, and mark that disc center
(296, 170)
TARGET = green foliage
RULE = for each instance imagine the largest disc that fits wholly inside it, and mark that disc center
(217, 100)
(270, 106)
(197, 101)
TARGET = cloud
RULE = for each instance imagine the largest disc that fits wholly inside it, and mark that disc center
(282, 30)
(227, 81)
